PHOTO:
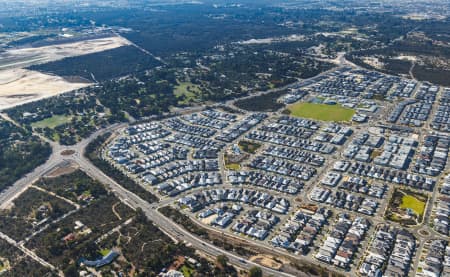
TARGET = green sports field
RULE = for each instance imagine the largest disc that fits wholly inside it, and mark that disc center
(410, 202)
(322, 112)
(52, 122)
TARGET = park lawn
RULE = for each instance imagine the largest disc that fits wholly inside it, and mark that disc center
(187, 271)
(394, 217)
(188, 90)
(233, 166)
(104, 252)
(322, 112)
(55, 137)
(249, 147)
(409, 201)
(52, 122)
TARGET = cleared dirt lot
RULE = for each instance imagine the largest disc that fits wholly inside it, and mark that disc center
(23, 57)
(267, 261)
(19, 85)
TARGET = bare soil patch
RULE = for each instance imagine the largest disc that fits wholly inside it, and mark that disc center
(63, 170)
(67, 152)
(19, 86)
(267, 261)
(23, 57)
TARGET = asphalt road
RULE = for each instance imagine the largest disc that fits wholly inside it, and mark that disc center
(165, 224)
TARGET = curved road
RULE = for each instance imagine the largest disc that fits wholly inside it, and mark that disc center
(165, 224)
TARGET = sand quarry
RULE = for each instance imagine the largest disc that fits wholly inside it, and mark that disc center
(19, 85)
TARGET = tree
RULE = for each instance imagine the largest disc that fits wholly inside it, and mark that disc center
(222, 260)
(71, 271)
(255, 272)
